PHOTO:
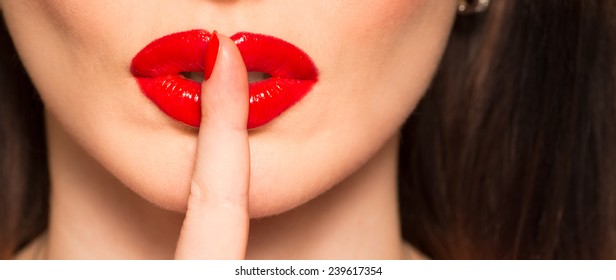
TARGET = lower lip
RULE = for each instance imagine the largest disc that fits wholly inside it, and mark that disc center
(159, 75)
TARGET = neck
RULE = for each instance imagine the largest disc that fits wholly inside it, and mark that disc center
(94, 216)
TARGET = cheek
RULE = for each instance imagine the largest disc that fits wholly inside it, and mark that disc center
(371, 35)
(372, 20)
(391, 48)
(70, 35)
(365, 20)
(96, 34)
(84, 22)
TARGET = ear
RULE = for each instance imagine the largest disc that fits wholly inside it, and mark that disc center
(467, 7)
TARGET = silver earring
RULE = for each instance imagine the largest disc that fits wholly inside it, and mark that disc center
(467, 7)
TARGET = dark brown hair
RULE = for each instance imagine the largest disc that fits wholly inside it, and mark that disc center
(24, 179)
(511, 154)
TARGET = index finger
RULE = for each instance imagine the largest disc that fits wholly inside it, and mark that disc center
(217, 221)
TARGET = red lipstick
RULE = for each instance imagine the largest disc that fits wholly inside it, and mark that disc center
(159, 68)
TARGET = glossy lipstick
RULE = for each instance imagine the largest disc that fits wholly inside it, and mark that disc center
(161, 66)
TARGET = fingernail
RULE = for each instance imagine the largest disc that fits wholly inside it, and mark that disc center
(210, 56)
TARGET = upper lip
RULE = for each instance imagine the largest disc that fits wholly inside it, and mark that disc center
(156, 60)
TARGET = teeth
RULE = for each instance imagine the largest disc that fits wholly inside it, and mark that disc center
(257, 76)
(252, 76)
(195, 76)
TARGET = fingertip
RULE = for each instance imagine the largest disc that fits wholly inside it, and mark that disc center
(211, 54)
(225, 90)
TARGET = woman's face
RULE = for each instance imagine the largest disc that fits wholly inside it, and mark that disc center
(375, 60)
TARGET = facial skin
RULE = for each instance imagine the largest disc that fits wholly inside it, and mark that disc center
(375, 58)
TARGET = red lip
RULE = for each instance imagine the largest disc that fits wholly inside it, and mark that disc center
(159, 65)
